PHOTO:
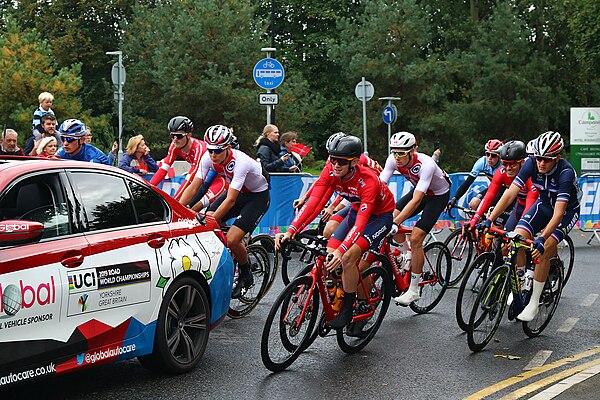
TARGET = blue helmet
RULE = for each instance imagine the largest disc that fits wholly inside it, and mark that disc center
(72, 127)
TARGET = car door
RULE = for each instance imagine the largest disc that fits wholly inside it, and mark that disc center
(126, 227)
(34, 327)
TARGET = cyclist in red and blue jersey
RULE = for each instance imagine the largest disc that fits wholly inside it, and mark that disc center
(513, 155)
(488, 165)
(185, 146)
(429, 196)
(554, 213)
(365, 224)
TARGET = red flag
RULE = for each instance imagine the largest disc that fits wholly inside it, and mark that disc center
(301, 149)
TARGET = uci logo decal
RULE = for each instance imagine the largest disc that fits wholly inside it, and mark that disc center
(229, 167)
(415, 169)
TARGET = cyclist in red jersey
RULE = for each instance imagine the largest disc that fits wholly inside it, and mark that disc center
(333, 213)
(185, 146)
(365, 225)
(512, 155)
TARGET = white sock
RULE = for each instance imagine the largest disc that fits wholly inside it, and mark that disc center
(538, 288)
(414, 281)
(205, 201)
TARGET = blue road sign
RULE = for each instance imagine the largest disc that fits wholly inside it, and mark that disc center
(268, 73)
(389, 114)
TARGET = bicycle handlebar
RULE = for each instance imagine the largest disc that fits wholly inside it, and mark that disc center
(515, 237)
(469, 211)
(317, 248)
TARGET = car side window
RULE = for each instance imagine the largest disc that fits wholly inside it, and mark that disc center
(38, 198)
(106, 200)
(149, 207)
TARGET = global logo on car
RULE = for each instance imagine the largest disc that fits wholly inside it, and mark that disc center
(24, 295)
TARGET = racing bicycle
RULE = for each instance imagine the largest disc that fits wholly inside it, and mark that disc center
(294, 323)
(491, 301)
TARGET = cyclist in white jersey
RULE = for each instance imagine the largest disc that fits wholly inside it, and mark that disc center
(247, 198)
(429, 195)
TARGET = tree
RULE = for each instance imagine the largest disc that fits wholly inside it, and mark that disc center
(28, 69)
(199, 64)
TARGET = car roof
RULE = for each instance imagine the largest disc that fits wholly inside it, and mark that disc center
(14, 166)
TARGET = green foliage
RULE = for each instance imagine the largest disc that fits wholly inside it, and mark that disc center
(28, 69)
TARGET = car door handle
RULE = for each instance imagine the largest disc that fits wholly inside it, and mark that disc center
(156, 241)
(72, 261)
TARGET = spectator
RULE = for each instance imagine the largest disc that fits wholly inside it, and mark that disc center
(48, 130)
(47, 147)
(112, 154)
(137, 157)
(72, 134)
(294, 162)
(88, 135)
(267, 150)
(45, 99)
(9, 144)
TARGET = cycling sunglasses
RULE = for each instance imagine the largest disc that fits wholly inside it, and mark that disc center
(342, 162)
(67, 139)
(216, 151)
(490, 154)
(400, 154)
(511, 164)
(547, 159)
(178, 135)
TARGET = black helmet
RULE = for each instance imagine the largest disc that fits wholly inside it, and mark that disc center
(180, 123)
(345, 146)
(513, 151)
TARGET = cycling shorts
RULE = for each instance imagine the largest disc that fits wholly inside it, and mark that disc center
(432, 207)
(375, 231)
(538, 216)
(340, 215)
(248, 209)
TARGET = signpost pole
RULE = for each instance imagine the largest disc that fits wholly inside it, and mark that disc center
(364, 104)
(118, 81)
(389, 116)
(270, 116)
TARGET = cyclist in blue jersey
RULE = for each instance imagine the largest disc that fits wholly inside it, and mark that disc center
(487, 164)
(72, 135)
(554, 213)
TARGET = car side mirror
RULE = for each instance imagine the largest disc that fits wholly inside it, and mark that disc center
(15, 231)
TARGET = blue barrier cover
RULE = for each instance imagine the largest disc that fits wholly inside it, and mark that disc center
(285, 188)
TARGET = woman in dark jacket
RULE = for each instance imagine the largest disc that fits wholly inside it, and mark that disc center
(294, 163)
(267, 150)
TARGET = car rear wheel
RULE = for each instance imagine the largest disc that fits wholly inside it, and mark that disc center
(182, 328)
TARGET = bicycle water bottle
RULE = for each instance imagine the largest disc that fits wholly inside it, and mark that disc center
(528, 279)
(407, 260)
(330, 285)
(398, 259)
(521, 275)
(337, 301)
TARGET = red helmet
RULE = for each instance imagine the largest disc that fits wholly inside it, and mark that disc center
(493, 145)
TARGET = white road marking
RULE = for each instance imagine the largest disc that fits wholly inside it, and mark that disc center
(589, 300)
(565, 384)
(568, 325)
(538, 360)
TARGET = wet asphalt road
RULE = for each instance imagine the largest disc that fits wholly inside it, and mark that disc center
(411, 357)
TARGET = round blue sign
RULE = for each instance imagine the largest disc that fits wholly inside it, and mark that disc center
(268, 73)
(389, 114)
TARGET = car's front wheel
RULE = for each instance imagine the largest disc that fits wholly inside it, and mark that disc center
(182, 328)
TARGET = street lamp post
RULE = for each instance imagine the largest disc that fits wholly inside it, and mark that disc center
(118, 79)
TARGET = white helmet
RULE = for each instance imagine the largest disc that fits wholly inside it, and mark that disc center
(218, 136)
(548, 144)
(403, 140)
(530, 145)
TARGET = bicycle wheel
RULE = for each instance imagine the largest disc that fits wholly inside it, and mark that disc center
(566, 253)
(548, 301)
(437, 269)
(294, 261)
(357, 335)
(268, 244)
(488, 309)
(470, 287)
(259, 261)
(290, 322)
(461, 251)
